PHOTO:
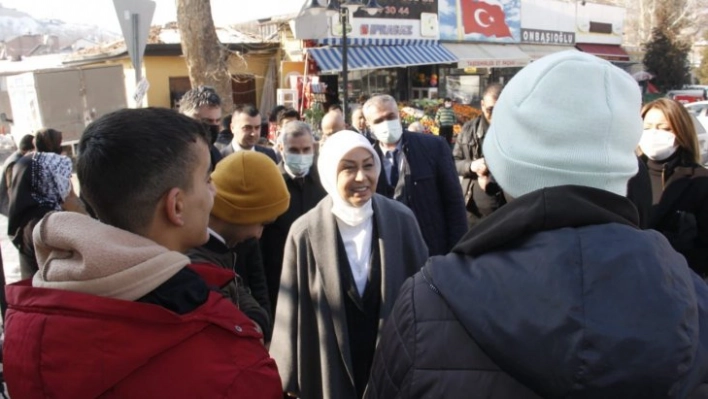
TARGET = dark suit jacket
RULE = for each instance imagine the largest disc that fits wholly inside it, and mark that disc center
(430, 188)
(5, 181)
(229, 149)
(303, 197)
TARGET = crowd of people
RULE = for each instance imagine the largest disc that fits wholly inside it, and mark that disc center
(556, 248)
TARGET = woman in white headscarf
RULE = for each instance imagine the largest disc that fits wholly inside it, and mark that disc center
(344, 263)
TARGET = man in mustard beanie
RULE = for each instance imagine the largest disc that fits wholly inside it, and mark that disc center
(250, 193)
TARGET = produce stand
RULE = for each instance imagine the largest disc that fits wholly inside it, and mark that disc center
(424, 110)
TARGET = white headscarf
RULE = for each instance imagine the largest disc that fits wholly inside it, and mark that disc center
(332, 152)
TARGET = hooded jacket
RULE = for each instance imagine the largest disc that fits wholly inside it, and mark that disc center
(557, 294)
(89, 326)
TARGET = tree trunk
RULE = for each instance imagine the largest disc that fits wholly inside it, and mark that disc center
(207, 59)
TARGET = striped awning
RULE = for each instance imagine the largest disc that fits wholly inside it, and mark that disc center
(329, 59)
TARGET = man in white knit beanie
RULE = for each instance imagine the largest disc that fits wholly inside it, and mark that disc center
(558, 293)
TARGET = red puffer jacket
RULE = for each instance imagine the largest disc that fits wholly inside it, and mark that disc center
(62, 344)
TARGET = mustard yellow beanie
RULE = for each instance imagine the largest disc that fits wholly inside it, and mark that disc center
(249, 189)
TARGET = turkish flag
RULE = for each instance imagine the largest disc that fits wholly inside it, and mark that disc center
(484, 18)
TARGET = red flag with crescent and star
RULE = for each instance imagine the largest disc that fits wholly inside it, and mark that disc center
(484, 18)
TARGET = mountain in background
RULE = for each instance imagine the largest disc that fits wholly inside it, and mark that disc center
(15, 23)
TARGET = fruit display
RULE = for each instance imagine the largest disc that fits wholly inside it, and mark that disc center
(424, 110)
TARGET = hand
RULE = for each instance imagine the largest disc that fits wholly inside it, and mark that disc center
(479, 167)
(483, 180)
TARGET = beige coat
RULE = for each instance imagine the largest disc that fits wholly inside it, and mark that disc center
(310, 343)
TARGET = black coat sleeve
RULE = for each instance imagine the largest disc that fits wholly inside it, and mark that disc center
(462, 161)
(450, 192)
(249, 265)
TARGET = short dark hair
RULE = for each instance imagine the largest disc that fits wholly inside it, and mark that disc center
(493, 90)
(273, 116)
(247, 109)
(447, 100)
(26, 144)
(192, 100)
(129, 159)
(48, 140)
(335, 107)
(287, 113)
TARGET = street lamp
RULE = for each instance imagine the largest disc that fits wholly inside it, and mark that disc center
(344, 9)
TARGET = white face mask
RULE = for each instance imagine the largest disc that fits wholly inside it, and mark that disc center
(658, 144)
(299, 164)
(388, 132)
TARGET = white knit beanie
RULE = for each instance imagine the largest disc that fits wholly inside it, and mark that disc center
(567, 119)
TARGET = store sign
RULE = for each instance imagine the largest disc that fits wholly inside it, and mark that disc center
(539, 36)
(386, 30)
(402, 9)
(492, 63)
(371, 28)
(497, 21)
(548, 22)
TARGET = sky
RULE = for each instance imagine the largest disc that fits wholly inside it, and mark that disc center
(102, 12)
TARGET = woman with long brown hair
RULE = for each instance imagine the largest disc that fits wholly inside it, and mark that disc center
(679, 183)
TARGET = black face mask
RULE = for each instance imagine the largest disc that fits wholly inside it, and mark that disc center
(213, 132)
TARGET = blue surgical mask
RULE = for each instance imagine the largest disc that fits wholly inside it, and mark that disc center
(299, 164)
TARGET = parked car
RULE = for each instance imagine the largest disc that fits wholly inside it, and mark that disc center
(699, 112)
(687, 96)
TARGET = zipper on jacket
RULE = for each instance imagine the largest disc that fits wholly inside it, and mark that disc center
(663, 176)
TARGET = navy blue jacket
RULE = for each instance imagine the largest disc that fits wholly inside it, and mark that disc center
(558, 294)
(430, 188)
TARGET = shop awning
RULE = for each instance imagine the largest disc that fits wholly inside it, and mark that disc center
(609, 52)
(488, 55)
(536, 51)
(329, 59)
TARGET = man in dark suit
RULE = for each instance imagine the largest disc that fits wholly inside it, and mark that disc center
(246, 127)
(482, 195)
(428, 182)
(26, 146)
(302, 179)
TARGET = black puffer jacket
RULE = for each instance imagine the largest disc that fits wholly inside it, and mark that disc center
(217, 253)
(556, 295)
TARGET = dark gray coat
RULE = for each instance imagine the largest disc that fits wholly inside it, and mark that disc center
(310, 342)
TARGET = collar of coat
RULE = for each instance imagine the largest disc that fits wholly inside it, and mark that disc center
(547, 209)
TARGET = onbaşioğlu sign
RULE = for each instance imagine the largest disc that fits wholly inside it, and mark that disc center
(540, 36)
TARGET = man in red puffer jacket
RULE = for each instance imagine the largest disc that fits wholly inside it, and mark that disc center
(116, 310)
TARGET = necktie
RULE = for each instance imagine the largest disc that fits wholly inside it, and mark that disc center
(394, 168)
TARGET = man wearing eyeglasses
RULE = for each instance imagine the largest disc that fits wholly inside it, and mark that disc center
(482, 194)
(246, 127)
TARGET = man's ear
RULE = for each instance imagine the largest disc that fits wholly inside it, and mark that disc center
(174, 206)
(280, 148)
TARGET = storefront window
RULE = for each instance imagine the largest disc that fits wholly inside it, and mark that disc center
(371, 82)
(464, 89)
